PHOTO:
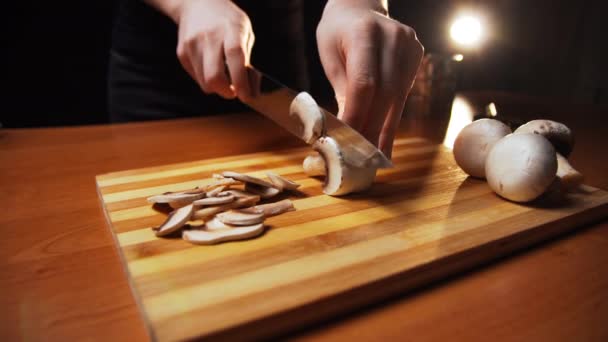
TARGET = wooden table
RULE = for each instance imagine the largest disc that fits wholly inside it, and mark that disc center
(61, 277)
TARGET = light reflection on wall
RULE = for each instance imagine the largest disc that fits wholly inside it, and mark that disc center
(461, 115)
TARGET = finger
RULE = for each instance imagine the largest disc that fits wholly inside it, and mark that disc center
(391, 86)
(361, 79)
(196, 62)
(184, 59)
(215, 77)
(389, 128)
(332, 61)
(235, 50)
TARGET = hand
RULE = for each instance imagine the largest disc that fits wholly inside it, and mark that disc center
(371, 62)
(213, 34)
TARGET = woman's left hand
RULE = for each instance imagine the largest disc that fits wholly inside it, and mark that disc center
(371, 61)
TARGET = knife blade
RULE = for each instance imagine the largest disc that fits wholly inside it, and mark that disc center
(273, 100)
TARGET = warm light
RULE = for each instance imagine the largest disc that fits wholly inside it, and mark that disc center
(462, 115)
(467, 31)
(458, 57)
(491, 109)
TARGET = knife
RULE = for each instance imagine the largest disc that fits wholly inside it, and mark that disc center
(272, 99)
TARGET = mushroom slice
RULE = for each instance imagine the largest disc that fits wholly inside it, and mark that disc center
(312, 119)
(569, 177)
(215, 200)
(237, 193)
(314, 165)
(206, 237)
(521, 167)
(282, 183)
(246, 179)
(216, 224)
(262, 191)
(272, 209)
(557, 133)
(176, 219)
(216, 191)
(175, 197)
(221, 182)
(342, 178)
(240, 217)
(208, 212)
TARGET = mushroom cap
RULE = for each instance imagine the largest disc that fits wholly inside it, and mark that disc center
(520, 167)
(557, 133)
(473, 143)
(342, 178)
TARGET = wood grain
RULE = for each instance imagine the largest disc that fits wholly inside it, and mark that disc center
(423, 220)
(61, 277)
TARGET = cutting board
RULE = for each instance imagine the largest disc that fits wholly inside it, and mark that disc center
(421, 221)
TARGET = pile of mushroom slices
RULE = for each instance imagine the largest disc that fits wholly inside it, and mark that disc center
(341, 177)
(228, 208)
(521, 165)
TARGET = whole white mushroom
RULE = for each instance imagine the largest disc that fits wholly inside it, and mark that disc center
(520, 167)
(473, 143)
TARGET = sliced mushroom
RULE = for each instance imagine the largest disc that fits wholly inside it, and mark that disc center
(206, 237)
(557, 133)
(342, 178)
(309, 114)
(224, 182)
(176, 220)
(569, 177)
(237, 193)
(240, 217)
(217, 200)
(314, 165)
(262, 191)
(208, 212)
(282, 183)
(246, 179)
(215, 224)
(521, 167)
(474, 142)
(175, 197)
(272, 209)
(216, 191)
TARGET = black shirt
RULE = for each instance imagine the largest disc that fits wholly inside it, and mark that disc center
(146, 80)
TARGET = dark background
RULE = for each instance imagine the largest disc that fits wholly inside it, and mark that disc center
(54, 57)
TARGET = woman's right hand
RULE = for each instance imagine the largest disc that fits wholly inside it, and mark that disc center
(214, 34)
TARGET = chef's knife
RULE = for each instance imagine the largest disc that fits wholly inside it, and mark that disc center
(272, 99)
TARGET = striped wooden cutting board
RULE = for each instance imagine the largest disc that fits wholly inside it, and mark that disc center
(422, 220)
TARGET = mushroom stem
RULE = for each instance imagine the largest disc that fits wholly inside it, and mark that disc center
(569, 177)
(314, 165)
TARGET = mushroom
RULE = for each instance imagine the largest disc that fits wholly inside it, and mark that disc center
(237, 193)
(272, 209)
(560, 136)
(520, 167)
(217, 200)
(208, 212)
(342, 178)
(216, 224)
(557, 133)
(314, 165)
(170, 197)
(246, 179)
(216, 191)
(262, 191)
(209, 237)
(176, 219)
(240, 217)
(281, 183)
(473, 143)
(312, 119)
